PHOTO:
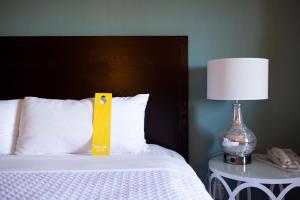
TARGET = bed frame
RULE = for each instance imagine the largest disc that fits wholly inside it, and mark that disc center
(77, 67)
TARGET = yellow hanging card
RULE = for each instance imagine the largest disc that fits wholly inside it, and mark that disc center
(102, 123)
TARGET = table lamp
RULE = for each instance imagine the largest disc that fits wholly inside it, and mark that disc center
(237, 79)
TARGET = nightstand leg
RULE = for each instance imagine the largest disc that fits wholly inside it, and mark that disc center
(281, 188)
(220, 190)
(217, 185)
(214, 188)
(237, 197)
(248, 193)
(272, 189)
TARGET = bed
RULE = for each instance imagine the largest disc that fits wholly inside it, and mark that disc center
(76, 68)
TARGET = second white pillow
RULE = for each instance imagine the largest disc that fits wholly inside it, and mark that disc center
(127, 130)
(127, 124)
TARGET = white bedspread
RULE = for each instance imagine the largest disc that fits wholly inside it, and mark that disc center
(86, 177)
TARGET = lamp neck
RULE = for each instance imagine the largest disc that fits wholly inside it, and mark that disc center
(237, 114)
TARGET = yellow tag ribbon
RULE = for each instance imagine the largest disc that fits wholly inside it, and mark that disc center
(102, 124)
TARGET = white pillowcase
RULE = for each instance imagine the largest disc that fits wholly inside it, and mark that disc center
(50, 126)
(9, 125)
(127, 129)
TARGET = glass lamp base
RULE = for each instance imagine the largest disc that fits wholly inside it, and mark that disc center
(237, 160)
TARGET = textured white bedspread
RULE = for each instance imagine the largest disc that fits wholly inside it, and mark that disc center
(86, 177)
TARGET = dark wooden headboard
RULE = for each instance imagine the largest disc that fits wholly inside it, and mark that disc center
(77, 67)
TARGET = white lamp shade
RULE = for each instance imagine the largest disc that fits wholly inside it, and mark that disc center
(237, 79)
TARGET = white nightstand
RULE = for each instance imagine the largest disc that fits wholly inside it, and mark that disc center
(256, 174)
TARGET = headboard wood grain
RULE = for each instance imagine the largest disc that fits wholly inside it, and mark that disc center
(77, 67)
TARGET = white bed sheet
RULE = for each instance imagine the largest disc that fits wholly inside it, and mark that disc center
(88, 162)
(158, 173)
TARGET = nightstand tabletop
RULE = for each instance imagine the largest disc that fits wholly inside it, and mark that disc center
(257, 171)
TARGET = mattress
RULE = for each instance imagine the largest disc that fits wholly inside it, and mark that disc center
(158, 174)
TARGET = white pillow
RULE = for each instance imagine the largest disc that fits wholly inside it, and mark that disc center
(127, 130)
(9, 125)
(52, 126)
(65, 126)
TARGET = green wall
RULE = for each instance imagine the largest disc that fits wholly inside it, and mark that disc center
(216, 29)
